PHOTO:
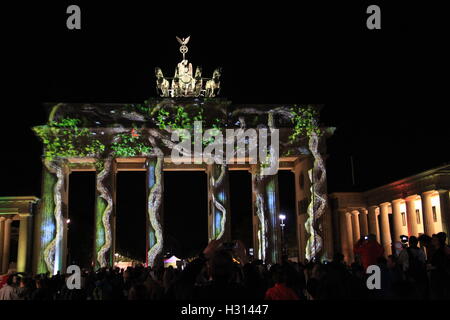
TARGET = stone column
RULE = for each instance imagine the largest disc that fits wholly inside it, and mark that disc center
(65, 214)
(444, 203)
(2, 235)
(45, 223)
(373, 222)
(302, 194)
(154, 234)
(345, 246)
(397, 219)
(363, 222)
(355, 226)
(104, 214)
(351, 244)
(319, 202)
(411, 216)
(6, 244)
(427, 211)
(218, 203)
(50, 230)
(266, 205)
(386, 240)
(22, 248)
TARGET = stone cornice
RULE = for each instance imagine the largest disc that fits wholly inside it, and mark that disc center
(433, 179)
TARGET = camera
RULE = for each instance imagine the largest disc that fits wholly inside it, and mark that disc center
(404, 239)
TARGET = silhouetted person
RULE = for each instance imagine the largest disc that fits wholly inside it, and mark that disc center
(138, 292)
(280, 291)
(221, 287)
(440, 267)
(9, 291)
(413, 262)
(369, 250)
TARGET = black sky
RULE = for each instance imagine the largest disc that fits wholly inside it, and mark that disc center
(384, 90)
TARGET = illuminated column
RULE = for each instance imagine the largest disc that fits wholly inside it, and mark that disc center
(363, 223)
(50, 230)
(348, 223)
(2, 231)
(373, 222)
(266, 207)
(6, 244)
(386, 241)
(411, 216)
(218, 200)
(302, 194)
(63, 255)
(344, 232)
(154, 234)
(23, 245)
(444, 203)
(428, 222)
(318, 241)
(397, 219)
(355, 226)
(104, 213)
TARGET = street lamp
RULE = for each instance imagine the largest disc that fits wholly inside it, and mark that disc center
(68, 251)
(282, 218)
(282, 225)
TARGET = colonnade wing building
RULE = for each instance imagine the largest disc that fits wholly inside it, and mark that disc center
(412, 206)
(15, 210)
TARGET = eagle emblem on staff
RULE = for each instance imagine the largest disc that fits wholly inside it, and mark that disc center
(183, 42)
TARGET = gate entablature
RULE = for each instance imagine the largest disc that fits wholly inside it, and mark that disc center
(127, 130)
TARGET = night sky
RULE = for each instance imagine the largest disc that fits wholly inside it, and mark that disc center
(381, 89)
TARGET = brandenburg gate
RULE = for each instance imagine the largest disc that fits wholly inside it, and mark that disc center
(188, 127)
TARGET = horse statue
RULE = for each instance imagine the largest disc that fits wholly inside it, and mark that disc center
(213, 86)
(198, 81)
(162, 84)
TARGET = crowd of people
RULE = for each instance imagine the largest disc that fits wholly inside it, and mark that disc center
(421, 270)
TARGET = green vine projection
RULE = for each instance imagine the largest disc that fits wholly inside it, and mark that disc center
(142, 107)
(64, 138)
(215, 130)
(47, 231)
(266, 163)
(180, 119)
(305, 122)
(99, 165)
(130, 144)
